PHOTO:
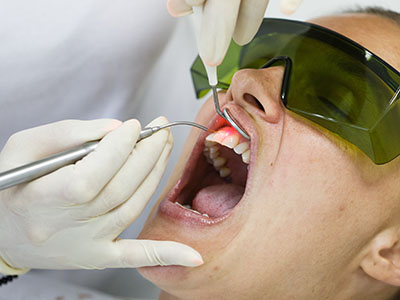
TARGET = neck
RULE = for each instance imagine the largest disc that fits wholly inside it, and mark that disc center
(165, 296)
(382, 293)
(363, 287)
(357, 286)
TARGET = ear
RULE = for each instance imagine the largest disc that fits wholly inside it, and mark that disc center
(382, 259)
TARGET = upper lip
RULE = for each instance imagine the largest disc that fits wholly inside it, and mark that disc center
(246, 122)
(243, 118)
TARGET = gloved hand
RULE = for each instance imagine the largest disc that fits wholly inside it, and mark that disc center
(290, 6)
(224, 19)
(71, 218)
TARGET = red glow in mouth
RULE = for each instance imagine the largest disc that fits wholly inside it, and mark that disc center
(202, 188)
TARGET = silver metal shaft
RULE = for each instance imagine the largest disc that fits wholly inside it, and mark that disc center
(50, 164)
(226, 115)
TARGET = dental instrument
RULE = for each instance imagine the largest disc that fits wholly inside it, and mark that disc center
(50, 164)
(212, 76)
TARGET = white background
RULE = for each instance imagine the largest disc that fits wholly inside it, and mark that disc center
(314, 8)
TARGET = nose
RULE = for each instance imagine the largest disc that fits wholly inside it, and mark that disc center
(258, 92)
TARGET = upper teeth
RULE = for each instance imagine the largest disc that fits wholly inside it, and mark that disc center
(228, 138)
(241, 148)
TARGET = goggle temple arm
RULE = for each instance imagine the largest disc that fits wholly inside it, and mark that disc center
(288, 64)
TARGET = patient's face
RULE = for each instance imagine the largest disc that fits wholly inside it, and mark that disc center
(310, 204)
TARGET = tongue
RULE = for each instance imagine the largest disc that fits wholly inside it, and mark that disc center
(217, 200)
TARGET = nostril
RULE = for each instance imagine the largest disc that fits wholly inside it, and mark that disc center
(253, 101)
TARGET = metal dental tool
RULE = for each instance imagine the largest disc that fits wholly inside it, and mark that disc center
(226, 115)
(212, 77)
(47, 165)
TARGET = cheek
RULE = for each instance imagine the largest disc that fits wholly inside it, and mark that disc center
(311, 192)
(315, 173)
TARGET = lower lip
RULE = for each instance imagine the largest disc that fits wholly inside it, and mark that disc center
(179, 214)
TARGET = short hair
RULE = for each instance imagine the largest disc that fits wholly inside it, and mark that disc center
(378, 11)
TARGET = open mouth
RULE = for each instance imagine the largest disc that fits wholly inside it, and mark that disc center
(215, 177)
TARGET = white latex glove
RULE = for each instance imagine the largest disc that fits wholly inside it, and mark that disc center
(224, 19)
(290, 6)
(71, 218)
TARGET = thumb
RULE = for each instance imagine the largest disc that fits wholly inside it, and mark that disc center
(146, 253)
(217, 26)
(178, 8)
(250, 17)
(289, 6)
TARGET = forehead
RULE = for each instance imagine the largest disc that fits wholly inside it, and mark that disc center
(377, 34)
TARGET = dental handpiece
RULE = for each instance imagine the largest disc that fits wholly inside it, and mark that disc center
(50, 164)
(213, 78)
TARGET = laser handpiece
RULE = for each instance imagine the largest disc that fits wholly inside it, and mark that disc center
(212, 77)
(50, 164)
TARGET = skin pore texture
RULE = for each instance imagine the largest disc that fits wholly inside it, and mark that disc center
(318, 220)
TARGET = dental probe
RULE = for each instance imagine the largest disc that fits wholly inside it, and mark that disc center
(50, 164)
(212, 76)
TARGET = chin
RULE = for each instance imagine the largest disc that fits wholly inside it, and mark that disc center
(207, 204)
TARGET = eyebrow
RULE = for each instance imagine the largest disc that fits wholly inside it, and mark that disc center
(333, 107)
(349, 67)
(352, 68)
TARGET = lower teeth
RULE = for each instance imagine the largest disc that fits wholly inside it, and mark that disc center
(189, 207)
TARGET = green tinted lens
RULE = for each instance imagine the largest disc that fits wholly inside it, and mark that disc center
(334, 82)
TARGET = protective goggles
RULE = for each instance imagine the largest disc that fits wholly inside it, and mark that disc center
(328, 79)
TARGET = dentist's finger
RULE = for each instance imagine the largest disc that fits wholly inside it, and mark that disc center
(249, 20)
(218, 24)
(117, 220)
(81, 182)
(148, 157)
(289, 6)
(180, 8)
(146, 253)
(127, 213)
